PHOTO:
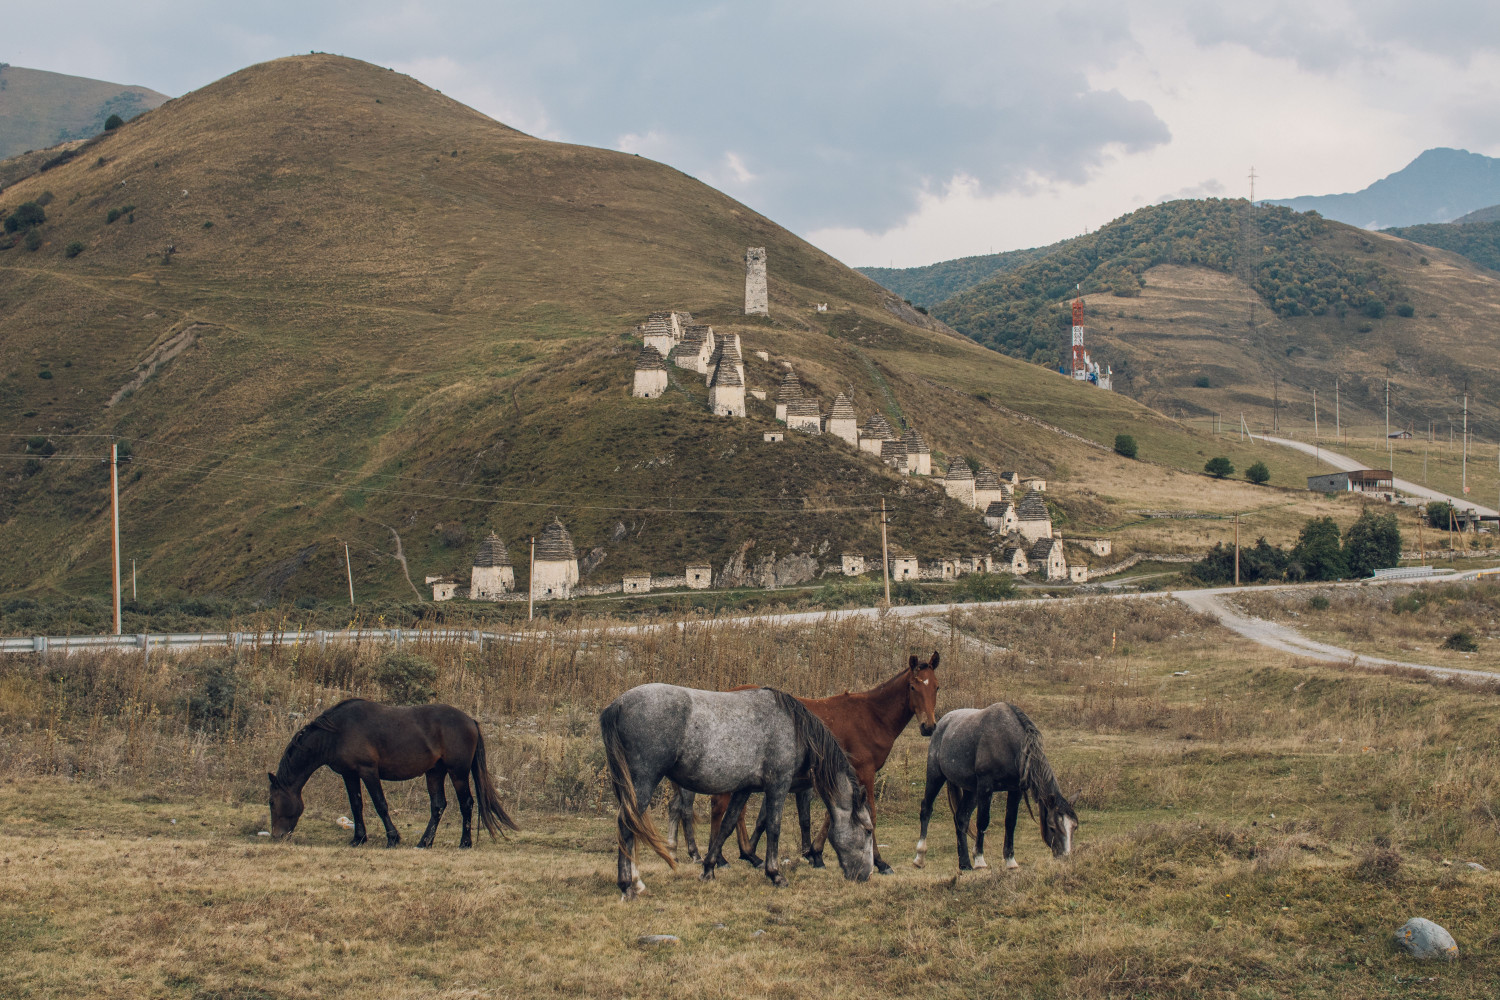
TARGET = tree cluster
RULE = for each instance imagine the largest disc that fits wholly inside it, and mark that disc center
(1372, 542)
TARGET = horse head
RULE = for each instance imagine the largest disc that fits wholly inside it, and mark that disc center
(1058, 821)
(851, 831)
(286, 807)
(921, 692)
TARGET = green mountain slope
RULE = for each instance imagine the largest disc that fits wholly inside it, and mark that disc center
(40, 109)
(1201, 308)
(326, 305)
(933, 283)
(1478, 240)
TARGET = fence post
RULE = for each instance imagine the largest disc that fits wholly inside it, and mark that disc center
(144, 641)
(39, 644)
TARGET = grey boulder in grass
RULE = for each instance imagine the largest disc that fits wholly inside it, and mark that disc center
(1423, 939)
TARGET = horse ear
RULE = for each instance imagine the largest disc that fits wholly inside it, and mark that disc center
(912, 664)
(273, 779)
(934, 662)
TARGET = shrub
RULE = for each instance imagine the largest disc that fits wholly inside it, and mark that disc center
(1318, 602)
(111, 216)
(110, 124)
(44, 373)
(1462, 641)
(1438, 513)
(985, 587)
(1374, 309)
(208, 225)
(454, 535)
(1318, 552)
(27, 215)
(215, 701)
(33, 240)
(1125, 445)
(1219, 467)
(1258, 473)
(73, 249)
(1202, 382)
(1405, 311)
(406, 678)
(1372, 542)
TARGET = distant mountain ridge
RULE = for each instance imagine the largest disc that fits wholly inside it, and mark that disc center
(39, 109)
(1438, 186)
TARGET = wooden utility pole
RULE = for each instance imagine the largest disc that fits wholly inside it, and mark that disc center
(114, 504)
(1421, 537)
(885, 555)
(1236, 550)
(1276, 404)
(1466, 444)
(531, 581)
(1338, 429)
(349, 572)
(1316, 444)
(132, 579)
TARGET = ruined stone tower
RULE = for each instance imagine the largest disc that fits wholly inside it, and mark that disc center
(757, 298)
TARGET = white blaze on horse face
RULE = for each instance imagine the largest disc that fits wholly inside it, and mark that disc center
(1069, 825)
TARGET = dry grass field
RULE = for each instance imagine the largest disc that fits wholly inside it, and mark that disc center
(1254, 826)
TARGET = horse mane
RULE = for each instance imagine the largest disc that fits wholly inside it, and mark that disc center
(1037, 777)
(827, 759)
(309, 741)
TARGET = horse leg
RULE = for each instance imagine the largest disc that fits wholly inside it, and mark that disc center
(934, 785)
(680, 814)
(983, 793)
(714, 855)
(719, 807)
(867, 778)
(961, 822)
(438, 801)
(356, 809)
(629, 873)
(1012, 810)
(377, 796)
(813, 856)
(746, 842)
(465, 804)
(772, 802)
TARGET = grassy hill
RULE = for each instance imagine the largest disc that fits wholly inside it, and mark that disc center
(325, 305)
(1194, 326)
(40, 109)
(933, 283)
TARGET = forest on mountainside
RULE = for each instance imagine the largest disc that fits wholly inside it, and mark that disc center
(1478, 241)
(1290, 264)
(926, 286)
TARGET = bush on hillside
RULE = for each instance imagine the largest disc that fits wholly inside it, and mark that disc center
(73, 249)
(33, 240)
(1258, 473)
(1125, 445)
(1219, 467)
(1202, 382)
(1439, 513)
(1405, 310)
(27, 215)
(113, 122)
(1463, 641)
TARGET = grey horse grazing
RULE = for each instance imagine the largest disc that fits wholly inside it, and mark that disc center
(731, 743)
(978, 752)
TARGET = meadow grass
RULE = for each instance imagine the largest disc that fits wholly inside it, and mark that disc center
(1254, 825)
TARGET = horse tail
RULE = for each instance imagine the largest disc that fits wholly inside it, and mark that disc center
(816, 742)
(631, 817)
(491, 813)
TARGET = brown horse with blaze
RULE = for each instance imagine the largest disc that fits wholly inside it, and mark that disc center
(866, 724)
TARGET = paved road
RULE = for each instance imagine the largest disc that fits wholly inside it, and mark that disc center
(1346, 464)
(1289, 640)
(1208, 601)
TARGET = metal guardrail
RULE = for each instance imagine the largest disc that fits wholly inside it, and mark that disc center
(235, 640)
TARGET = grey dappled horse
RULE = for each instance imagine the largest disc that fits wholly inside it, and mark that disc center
(732, 743)
(978, 752)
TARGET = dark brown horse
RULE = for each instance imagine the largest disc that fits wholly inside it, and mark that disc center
(364, 741)
(866, 726)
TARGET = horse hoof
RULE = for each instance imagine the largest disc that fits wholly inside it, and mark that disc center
(778, 879)
(464, 845)
(918, 863)
(814, 860)
(721, 863)
(885, 869)
(695, 857)
(422, 845)
(965, 868)
(1012, 863)
(707, 876)
(979, 862)
(392, 842)
(752, 860)
(358, 841)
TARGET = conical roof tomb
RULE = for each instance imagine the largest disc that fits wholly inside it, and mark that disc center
(555, 544)
(492, 552)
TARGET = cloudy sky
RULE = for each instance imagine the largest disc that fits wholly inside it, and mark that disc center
(887, 133)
